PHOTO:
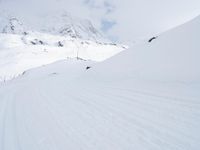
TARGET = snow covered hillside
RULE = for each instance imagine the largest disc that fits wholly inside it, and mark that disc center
(27, 43)
(145, 98)
(172, 56)
(20, 53)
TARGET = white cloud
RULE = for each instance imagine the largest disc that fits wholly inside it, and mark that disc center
(142, 18)
(133, 18)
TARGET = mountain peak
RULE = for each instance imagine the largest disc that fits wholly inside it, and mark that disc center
(60, 23)
(14, 26)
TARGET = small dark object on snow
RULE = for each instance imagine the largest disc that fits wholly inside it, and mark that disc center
(25, 33)
(79, 58)
(88, 67)
(34, 43)
(12, 28)
(153, 38)
(24, 73)
(60, 44)
(41, 42)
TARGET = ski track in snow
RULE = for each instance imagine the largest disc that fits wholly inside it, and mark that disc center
(38, 116)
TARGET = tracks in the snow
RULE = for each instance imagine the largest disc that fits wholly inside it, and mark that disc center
(67, 116)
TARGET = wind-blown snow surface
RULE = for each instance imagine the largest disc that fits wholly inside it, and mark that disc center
(114, 105)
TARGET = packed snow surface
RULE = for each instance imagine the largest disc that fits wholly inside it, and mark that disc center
(140, 99)
(63, 106)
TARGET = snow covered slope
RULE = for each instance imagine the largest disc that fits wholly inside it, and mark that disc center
(19, 53)
(119, 104)
(173, 56)
(27, 42)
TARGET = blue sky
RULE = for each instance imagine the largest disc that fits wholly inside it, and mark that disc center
(107, 25)
(107, 7)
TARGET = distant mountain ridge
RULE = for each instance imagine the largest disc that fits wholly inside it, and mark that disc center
(62, 24)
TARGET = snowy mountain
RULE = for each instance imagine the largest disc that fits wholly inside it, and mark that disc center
(27, 42)
(14, 26)
(145, 98)
(62, 24)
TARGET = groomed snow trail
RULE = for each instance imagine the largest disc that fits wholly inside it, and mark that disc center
(62, 106)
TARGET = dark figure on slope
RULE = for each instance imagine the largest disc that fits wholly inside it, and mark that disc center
(153, 38)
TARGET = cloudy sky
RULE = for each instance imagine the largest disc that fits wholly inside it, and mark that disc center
(126, 20)
(130, 19)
